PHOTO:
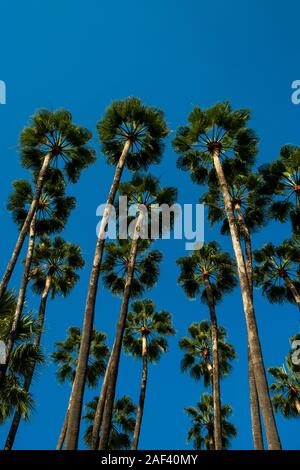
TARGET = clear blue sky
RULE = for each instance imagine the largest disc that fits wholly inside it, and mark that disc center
(173, 54)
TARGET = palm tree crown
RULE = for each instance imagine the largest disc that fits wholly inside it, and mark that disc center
(115, 266)
(123, 422)
(286, 390)
(143, 126)
(197, 349)
(217, 127)
(275, 265)
(201, 434)
(53, 208)
(246, 197)
(282, 181)
(59, 259)
(54, 133)
(143, 320)
(207, 263)
(66, 356)
(23, 356)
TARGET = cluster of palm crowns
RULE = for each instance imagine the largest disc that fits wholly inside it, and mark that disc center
(218, 150)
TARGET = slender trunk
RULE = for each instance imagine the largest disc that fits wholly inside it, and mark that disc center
(211, 443)
(140, 410)
(61, 438)
(292, 288)
(215, 367)
(297, 404)
(114, 367)
(24, 230)
(100, 406)
(257, 434)
(27, 382)
(63, 431)
(254, 343)
(80, 377)
(21, 296)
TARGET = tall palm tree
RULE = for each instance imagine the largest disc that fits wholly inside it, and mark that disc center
(54, 271)
(144, 193)
(120, 278)
(66, 357)
(52, 212)
(211, 137)
(123, 422)
(282, 181)
(278, 272)
(51, 140)
(12, 394)
(210, 272)
(250, 207)
(131, 135)
(201, 434)
(286, 390)
(144, 338)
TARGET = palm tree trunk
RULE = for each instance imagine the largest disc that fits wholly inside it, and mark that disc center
(114, 367)
(61, 438)
(100, 406)
(254, 343)
(24, 230)
(63, 431)
(293, 289)
(80, 377)
(215, 368)
(254, 408)
(27, 382)
(254, 402)
(297, 404)
(140, 410)
(21, 296)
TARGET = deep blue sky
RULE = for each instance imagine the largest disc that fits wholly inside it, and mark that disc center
(173, 54)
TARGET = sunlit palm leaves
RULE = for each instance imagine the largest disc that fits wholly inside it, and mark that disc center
(217, 127)
(54, 133)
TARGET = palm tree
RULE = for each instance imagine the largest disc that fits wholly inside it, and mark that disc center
(52, 212)
(50, 139)
(286, 390)
(201, 434)
(144, 338)
(123, 422)
(282, 181)
(211, 273)
(144, 193)
(131, 135)
(116, 278)
(278, 272)
(66, 357)
(54, 271)
(12, 394)
(250, 206)
(211, 136)
(198, 352)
